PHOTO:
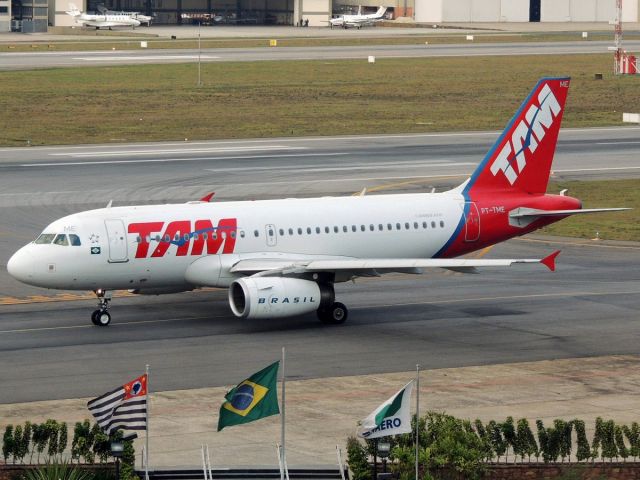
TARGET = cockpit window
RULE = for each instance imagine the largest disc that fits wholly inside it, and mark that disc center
(61, 239)
(45, 238)
(74, 239)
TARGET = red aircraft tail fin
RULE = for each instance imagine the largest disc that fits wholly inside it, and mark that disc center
(521, 157)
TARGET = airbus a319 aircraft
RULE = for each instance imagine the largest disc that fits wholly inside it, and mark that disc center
(280, 258)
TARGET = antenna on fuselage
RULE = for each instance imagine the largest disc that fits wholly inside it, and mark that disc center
(109, 204)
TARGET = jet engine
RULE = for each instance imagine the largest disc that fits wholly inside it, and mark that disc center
(274, 297)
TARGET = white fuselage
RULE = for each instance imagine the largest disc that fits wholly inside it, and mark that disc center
(153, 247)
(108, 20)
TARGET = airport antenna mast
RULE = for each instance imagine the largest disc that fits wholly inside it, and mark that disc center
(619, 53)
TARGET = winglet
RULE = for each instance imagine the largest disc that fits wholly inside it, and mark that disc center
(550, 260)
(207, 197)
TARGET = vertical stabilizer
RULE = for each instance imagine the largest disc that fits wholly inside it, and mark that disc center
(521, 157)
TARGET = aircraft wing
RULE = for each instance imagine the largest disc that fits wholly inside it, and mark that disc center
(373, 266)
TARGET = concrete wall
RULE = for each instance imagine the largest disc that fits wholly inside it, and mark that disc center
(318, 12)
(587, 10)
(437, 11)
(5, 17)
(57, 9)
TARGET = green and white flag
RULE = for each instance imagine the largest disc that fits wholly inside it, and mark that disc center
(393, 417)
(253, 399)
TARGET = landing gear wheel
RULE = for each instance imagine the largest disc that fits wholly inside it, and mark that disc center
(336, 314)
(94, 317)
(102, 319)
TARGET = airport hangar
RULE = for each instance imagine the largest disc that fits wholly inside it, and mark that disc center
(38, 15)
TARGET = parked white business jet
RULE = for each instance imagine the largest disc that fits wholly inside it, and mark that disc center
(282, 257)
(358, 21)
(143, 19)
(102, 20)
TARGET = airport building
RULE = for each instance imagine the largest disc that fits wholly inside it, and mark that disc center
(33, 15)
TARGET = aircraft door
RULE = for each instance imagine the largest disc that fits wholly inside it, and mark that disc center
(472, 222)
(117, 235)
(271, 235)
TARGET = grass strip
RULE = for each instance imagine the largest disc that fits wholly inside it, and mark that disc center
(297, 98)
(601, 194)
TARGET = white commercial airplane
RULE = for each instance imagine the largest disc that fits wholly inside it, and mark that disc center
(358, 21)
(143, 19)
(102, 20)
(280, 258)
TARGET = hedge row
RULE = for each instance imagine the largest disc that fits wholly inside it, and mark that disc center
(467, 447)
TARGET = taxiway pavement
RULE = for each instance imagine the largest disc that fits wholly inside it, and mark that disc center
(50, 350)
(22, 60)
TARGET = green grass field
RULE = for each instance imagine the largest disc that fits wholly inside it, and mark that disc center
(601, 194)
(267, 99)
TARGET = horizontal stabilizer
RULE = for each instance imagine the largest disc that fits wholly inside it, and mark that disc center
(522, 217)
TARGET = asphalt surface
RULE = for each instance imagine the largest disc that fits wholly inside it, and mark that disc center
(49, 349)
(22, 60)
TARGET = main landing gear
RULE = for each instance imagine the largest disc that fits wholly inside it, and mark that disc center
(334, 314)
(101, 317)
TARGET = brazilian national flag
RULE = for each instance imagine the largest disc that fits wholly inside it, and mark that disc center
(252, 399)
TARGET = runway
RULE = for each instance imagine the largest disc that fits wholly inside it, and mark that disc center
(22, 60)
(49, 349)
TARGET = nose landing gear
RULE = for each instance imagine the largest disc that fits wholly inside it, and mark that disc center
(101, 317)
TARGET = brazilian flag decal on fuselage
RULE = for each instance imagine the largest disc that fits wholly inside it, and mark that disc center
(252, 399)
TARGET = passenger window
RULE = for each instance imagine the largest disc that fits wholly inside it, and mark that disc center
(407, 226)
(424, 224)
(336, 229)
(389, 226)
(233, 234)
(138, 239)
(75, 240)
(299, 231)
(281, 232)
(372, 227)
(45, 238)
(186, 237)
(362, 228)
(157, 238)
(196, 236)
(167, 238)
(256, 233)
(415, 225)
(176, 237)
(345, 229)
(353, 228)
(308, 230)
(61, 240)
(398, 226)
(317, 229)
(291, 231)
(327, 229)
(271, 232)
(441, 224)
(380, 227)
(241, 233)
(433, 224)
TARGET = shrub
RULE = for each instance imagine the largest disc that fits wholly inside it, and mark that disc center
(358, 459)
(57, 471)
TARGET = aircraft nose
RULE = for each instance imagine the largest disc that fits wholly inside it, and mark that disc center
(20, 266)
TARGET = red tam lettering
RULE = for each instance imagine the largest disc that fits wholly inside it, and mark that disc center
(144, 230)
(179, 227)
(222, 236)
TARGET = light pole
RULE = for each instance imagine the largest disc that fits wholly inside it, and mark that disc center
(384, 449)
(117, 449)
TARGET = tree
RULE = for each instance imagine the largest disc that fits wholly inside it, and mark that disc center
(26, 440)
(7, 443)
(618, 433)
(63, 438)
(633, 435)
(583, 452)
(357, 459)
(526, 440)
(497, 441)
(40, 438)
(52, 428)
(17, 444)
(509, 435)
(563, 431)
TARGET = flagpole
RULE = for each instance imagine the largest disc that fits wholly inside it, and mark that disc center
(282, 418)
(417, 416)
(146, 448)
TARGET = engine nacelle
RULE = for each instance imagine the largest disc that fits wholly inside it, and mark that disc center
(276, 297)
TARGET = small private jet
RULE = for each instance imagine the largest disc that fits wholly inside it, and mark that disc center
(143, 19)
(102, 20)
(358, 21)
(280, 258)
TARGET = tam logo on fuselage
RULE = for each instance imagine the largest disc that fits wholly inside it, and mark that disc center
(528, 133)
(203, 237)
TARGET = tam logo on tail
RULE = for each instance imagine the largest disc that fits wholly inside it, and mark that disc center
(521, 158)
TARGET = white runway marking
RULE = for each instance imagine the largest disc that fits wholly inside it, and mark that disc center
(147, 57)
(166, 160)
(618, 143)
(122, 153)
